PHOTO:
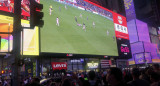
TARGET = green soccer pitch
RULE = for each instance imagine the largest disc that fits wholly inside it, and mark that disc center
(68, 37)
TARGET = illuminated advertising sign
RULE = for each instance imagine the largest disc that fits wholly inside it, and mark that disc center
(130, 10)
(142, 27)
(156, 60)
(6, 28)
(139, 58)
(92, 65)
(8, 6)
(124, 49)
(59, 65)
(144, 51)
(132, 29)
(75, 61)
(120, 26)
(148, 57)
(152, 49)
(30, 38)
(122, 36)
(105, 63)
(142, 58)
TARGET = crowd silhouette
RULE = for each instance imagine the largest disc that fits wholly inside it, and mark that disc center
(149, 76)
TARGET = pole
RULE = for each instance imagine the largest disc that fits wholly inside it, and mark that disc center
(37, 67)
(16, 42)
(99, 65)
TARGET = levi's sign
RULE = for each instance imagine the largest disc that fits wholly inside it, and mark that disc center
(59, 65)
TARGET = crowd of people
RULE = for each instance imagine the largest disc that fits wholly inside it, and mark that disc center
(90, 7)
(150, 76)
(93, 8)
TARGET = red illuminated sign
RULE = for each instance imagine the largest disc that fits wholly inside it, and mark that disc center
(59, 65)
(124, 49)
(120, 25)
(8, 6)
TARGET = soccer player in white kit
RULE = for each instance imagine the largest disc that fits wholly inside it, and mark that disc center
(57, 20)
(65, 6)
(107, 32)
(93, 24)
(80, 15)
(50, 10)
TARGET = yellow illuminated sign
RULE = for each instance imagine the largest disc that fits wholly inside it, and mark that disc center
(92, 65)
(6, 26)
(30, 39)
(127, 3)
(131, 62)
(156, 60)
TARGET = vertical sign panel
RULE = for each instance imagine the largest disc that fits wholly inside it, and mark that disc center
(130, 10)
(120, 26)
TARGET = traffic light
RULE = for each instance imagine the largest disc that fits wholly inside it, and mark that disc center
(35, 14)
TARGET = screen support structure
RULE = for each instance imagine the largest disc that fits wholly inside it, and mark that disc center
(16, 43)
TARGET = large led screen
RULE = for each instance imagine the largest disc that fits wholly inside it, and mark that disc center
(30, 37)
(8, 6)
(78, 27)
(6, 38)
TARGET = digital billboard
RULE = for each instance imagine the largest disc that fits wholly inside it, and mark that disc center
(59, 65)
(78, 27)
(142, 58)
(130, 10)
(8, 6)
(124, 49)
(30, 37)
(6, 28)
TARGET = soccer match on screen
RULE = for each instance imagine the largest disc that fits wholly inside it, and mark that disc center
(78, 27)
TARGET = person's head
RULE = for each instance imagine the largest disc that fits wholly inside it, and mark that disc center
(155, 66)
(36, 80)
(154, 77)
(114, 76)
(53, 84)
(142, 71)
(149, 71)
(66, 82)
(135, 73)
(91, 75)
(49, 82)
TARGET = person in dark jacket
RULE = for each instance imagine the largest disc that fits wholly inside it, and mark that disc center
(136, 81)
(115, 77)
